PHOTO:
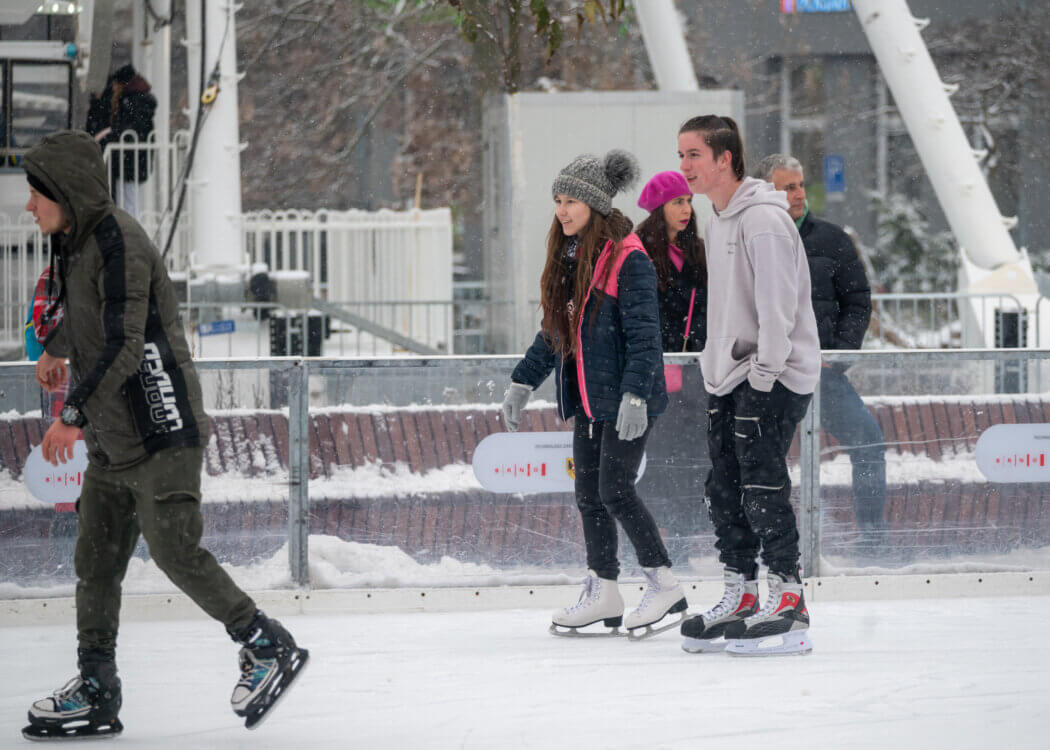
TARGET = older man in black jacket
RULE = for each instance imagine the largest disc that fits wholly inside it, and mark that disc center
(842, 304)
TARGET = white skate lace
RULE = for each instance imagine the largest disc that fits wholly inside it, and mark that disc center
(729, 601)
(70, 688)
(772, 600)
(650, 590)
(590, 591)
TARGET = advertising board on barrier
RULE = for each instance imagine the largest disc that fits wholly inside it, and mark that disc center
(1011, 453)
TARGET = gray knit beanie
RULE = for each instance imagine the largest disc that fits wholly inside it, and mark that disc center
(595, 181)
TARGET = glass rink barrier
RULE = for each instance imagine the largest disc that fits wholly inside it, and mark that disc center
(244, 484)
(934, 461)
(387, 473)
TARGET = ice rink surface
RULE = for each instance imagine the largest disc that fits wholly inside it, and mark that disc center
(953, 673)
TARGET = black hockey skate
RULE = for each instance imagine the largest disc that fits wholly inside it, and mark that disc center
(270, 661)
(85, 708)
(780, 627)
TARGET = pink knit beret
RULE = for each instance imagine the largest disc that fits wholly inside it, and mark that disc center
(662, 188)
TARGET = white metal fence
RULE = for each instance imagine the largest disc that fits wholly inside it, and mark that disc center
(392, 267)
(145, 180)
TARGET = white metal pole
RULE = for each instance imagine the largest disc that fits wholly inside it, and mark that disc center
(665, 43)
(193, 44)
(216, 178)
(936, 131)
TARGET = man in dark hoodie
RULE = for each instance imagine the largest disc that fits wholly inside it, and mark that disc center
(138, 402)
(126, 104)
(842, 304)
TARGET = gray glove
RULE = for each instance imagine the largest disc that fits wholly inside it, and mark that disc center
(633, 419)
(515, 400)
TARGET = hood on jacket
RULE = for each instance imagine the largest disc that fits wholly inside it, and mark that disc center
(753, 192)
(70, 164)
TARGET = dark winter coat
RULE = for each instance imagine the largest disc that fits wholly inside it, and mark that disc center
(678, 299)
(619, 342)
(135, 112)
(841, 294)
(136, 383)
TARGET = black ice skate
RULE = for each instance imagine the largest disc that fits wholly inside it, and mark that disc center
(270, 661)
(85, 708)
(707, 633)
(781, 626)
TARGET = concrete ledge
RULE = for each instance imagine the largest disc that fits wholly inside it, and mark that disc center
(701, 594)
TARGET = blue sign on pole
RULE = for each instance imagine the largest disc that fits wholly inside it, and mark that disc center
(815, 6)
(834, 174)
(215, 328)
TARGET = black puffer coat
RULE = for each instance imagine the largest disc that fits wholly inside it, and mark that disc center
(135, 112)
(619, 348)
(841, 294)
(681, 297)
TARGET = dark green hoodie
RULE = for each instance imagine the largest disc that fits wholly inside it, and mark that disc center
(134, 378)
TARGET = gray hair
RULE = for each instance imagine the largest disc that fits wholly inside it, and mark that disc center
(766, 167)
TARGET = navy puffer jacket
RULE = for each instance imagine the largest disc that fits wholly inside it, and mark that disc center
(620, 347)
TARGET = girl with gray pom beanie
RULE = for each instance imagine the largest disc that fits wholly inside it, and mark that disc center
(601, 335)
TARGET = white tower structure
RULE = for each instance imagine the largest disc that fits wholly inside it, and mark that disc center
(991, 262)
(215, 182)
(665, 44)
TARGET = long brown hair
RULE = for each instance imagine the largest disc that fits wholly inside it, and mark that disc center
(559, 326)
(653, 234)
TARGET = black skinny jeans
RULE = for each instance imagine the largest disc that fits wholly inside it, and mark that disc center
(748, 491)
(606, 469)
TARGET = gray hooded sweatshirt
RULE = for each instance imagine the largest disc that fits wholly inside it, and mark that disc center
(760, 322)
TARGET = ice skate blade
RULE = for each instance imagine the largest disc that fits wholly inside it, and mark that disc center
(566, 631)
(73, 730)
(704, 645)
(794, 643)
(648, 631)
(256, 717)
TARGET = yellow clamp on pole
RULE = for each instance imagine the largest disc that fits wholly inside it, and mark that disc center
(210, 93)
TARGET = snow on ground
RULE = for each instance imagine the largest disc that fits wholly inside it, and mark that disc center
(953, 674)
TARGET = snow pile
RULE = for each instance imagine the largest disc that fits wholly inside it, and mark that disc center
(334, 564)
(901, 469)
(369, 481)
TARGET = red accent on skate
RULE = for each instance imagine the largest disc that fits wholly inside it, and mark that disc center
(787, 601)
(747, 601)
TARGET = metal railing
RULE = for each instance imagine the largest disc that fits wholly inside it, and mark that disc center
(297, 372)
(933, 320)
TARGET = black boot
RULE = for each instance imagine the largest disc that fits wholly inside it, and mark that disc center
(86, 706)
(269, 660)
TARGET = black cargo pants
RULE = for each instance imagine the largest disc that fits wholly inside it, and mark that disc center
(748, 491)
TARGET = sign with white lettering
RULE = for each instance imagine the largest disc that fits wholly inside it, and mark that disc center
(815, 6)
(216, 327)
(834, 174)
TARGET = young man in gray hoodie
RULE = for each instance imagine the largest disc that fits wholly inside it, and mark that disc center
(760, 367)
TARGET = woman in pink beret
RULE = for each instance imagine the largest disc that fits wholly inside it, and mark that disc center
(677, 452)
(669, 235)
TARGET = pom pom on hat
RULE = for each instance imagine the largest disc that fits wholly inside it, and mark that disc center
(595, 181)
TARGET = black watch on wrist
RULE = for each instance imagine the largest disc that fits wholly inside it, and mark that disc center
(71, 415)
